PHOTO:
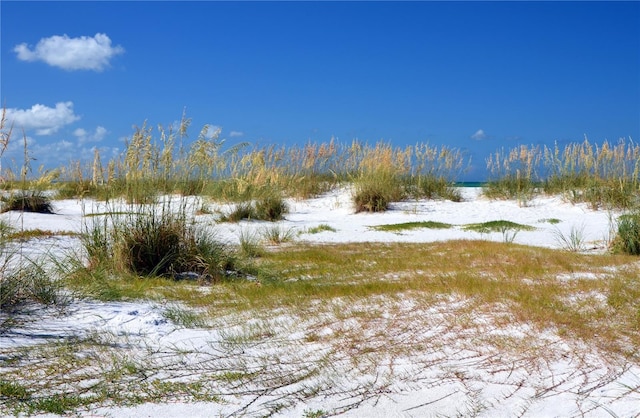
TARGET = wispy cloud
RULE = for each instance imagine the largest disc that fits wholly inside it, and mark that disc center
(479, 135)
(235, 134)
(85, 137)
(45, 120)
(83, 53)
(212, 131)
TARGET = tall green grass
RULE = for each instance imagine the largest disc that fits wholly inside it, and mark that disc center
(156, 240)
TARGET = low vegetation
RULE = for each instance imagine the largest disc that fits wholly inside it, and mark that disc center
(159, 240)
(627, 240)
(270, 208)
(412, 225)
(603, 175)
(320, 287)
(27, 202)
(497, 226)
(320, 228)
(147, 246)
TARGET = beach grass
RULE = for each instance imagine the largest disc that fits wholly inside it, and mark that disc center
(384, 289)
(261, 295)
(412, 225)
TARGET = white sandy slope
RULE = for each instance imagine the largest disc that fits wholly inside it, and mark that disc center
(446, 368)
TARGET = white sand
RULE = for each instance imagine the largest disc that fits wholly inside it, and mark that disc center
(444, 369)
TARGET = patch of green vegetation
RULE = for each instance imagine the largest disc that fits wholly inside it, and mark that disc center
(28, 202)
(319, 413)
(14, 391)
(497, 226)
(552, 221)
(114, 213)
(412, 225)
(276, 235)
(58, 404)
(27, 234)
(184, 317)
(271, 208)
(627, 240)
(320, 228)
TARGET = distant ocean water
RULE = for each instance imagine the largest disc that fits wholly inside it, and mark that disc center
(470, 183)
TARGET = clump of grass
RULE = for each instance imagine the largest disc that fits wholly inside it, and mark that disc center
(603, 175)
(270, 208)
(241, 211)
(384, 174)
(627, 240)
(14, 391)
(277, 235)
(497, 226)
(28, 202)
(371, 196)
(574, 241)
(513, 173)
(552, 221)
(412, 225)
(250, 245)
(184, 317)
(27, 234)
(29, 283)
(156, 241)
(432, 187)
(320, 228)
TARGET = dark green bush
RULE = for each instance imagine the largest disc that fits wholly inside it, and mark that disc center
(168, 245)
(628, 239)
(369, 198)
(241, 211)
(28, 202)
(270, 208)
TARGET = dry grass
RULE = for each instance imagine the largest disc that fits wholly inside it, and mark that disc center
(604, 175)
(532, 286)
(361, 320)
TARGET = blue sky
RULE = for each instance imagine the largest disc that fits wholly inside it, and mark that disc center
(472, 75)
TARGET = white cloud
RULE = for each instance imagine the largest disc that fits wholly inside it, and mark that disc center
(235, 134)
(479, 135)
(45, 120)
(213, 131)
(83, 53)
(85, 137)
(53, 154)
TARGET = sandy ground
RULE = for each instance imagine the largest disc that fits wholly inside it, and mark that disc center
(444, 368)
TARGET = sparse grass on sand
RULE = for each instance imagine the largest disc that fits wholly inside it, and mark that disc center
(295, 323)
(412, 225)
(364, 302)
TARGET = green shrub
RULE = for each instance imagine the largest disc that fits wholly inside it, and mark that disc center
(28, 202)
(270, 208)
(627, 240)
(155, 241)
(497, 226)
(510, 187)
(432, 187)
(243, 210)
(374, 193)
(369, 198)
(412, 225)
